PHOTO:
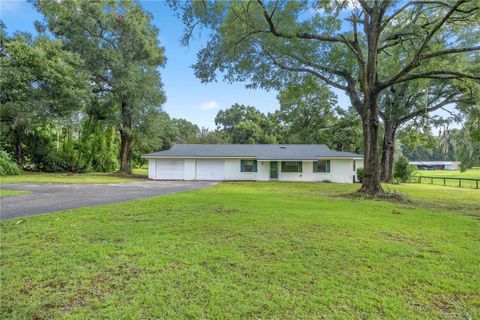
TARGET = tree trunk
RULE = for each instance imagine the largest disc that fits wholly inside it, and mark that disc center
(126, 140)
(18, 149)
(388, 150)
(371, 176)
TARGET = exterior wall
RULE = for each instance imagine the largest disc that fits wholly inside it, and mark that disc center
(152, 168)
(232, 171)
(263, 170)
(306, 174)
(341, 171)
(190, 169)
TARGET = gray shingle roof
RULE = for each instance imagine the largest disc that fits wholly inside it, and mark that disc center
(258, 151)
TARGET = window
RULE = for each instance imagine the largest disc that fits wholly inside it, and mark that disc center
(248, 165)
(354, 165)
(321, 166)
(291, 166)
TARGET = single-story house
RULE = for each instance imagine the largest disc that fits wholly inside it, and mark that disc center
(255, 162)
(434, 165)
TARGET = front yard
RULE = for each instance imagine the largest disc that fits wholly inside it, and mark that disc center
(78, 178)
(249, 251)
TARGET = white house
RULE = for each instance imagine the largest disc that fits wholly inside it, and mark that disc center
(255, 162)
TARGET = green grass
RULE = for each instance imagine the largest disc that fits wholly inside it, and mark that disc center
(469, 174)
(65, 178)
(143, 171)
(248, 251)
(5, 193)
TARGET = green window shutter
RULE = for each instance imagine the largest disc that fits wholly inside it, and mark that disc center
(300, 169)
(242, 165)
(284, 166)
(254, 165)
(315, 166)
(328, 166)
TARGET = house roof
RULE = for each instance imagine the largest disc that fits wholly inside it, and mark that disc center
(256, 151)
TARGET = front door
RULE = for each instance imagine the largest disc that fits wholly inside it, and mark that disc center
(273, 170)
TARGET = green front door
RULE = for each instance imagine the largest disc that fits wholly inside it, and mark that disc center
(273, 170)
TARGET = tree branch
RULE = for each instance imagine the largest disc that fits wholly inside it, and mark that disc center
(415, 62)
(449, 51)
(438, 74)
(305, 70)
(273, 30)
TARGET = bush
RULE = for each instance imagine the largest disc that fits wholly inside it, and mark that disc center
(360, 174)
(402, 171)
(7, 165)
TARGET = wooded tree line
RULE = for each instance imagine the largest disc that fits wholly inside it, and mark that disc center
(86, 93)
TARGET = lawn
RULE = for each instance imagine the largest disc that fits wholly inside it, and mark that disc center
(469, 174)
(249, 251)
(5, 193)
(66, 178)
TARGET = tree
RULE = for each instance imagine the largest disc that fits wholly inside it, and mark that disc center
(306, 109)
(402, 103)
(120, 48)
(42, 86)
(245, 124)
(309, 114)
(273, 43)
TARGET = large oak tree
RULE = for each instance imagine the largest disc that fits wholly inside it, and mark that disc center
(346, 45)
(120, 47)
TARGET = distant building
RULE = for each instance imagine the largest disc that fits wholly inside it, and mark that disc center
(435, 165)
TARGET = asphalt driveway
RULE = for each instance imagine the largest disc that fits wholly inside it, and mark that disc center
(50, 197)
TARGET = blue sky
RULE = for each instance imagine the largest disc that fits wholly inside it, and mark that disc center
(187, 97)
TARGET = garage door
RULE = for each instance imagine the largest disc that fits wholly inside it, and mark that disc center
(210, 170)
(170, 170)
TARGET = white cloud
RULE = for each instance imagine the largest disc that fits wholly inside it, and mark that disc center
(209, 105)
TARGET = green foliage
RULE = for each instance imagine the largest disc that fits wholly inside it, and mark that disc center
(42, 86)
(120, 47)
(245, 124)
(402, 171)
(7, 165)
(360, 172)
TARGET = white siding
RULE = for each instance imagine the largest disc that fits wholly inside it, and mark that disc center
(169, 169)
(306, 174)
(233, 171)
(210, 169)
(152, 168)
(341, 170)
(190, 169)
(263, 170)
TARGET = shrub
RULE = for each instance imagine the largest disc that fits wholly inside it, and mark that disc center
(402, 171)
(7, 165)
(326, 181)
(360, 174)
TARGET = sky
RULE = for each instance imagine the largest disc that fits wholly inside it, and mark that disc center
(187, 97)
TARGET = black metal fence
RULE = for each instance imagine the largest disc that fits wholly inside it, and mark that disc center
(448, 181)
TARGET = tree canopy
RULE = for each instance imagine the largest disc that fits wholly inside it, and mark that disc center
(361, 50)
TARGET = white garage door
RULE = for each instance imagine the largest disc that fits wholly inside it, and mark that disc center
(210, 170)
(170, 170)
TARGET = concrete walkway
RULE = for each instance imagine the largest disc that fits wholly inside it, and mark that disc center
(50, 197)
